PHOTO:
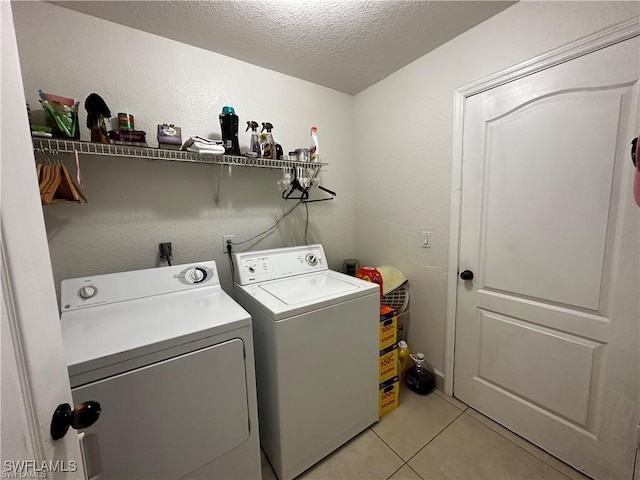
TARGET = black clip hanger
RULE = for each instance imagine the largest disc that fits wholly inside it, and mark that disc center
(295, 186)
(304, 191)
(330, 192)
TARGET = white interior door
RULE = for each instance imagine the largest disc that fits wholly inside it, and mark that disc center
(34, 374)
(547, 336)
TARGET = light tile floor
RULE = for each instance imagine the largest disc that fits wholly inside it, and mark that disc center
(435, 437)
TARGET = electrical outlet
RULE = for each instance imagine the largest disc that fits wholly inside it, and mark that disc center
(426, 239)
(225, 241)
(165, 250)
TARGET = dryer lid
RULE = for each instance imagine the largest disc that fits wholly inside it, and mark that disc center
(113, 334)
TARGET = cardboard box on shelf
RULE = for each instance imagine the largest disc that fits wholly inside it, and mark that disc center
(389, 396)
(388, 363)
(128, 137)
(388, 326)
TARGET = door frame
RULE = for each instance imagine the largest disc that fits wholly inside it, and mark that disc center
(35, 375)
(604, 38)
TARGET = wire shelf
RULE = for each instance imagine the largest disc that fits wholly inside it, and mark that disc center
(57, 145)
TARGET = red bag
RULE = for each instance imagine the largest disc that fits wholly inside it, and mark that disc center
(370, 274)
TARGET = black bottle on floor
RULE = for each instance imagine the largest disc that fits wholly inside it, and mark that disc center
(419, 378)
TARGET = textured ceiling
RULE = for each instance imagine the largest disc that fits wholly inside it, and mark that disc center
(347, 45)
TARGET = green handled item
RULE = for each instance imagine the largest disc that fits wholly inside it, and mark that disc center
(64, 117)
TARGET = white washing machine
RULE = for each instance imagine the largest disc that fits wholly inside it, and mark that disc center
(316, 344)
(169, 357)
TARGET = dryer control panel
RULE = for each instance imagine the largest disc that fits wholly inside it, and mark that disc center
(120, 287)
(265, 265)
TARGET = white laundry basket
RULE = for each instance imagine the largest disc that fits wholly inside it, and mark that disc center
(398, 299)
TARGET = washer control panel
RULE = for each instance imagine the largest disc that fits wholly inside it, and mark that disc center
(119, 287)
(258, 265)
(311, 259)
(265, 265)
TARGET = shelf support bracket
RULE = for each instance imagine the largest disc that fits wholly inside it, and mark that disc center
(216, 195)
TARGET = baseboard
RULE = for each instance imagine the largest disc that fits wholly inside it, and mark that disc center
(439, 380)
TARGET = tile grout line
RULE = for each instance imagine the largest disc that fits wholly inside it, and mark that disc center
(522, 448)
(400, 468)
(389, 447)
(435, 436)
(421, 448)
(442, 430)
(446, 397)
(397, 470)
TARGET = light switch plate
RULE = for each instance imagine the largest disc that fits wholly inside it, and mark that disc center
(426, 239)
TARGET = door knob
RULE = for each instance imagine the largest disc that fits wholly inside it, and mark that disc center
(466, 275)
(82, 416)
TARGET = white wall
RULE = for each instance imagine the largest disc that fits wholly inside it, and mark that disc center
(135, 204)
(403, 140)
(389, 147)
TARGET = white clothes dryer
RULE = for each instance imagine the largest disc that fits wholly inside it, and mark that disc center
(169, 357)
(316, 345)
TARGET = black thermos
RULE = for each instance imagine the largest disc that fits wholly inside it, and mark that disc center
(350, 266)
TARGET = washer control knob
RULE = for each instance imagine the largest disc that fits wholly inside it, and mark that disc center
(312, 259)
(87, 291)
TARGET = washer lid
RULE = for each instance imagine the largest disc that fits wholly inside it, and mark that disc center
(308, 288)
(296, 295)
(115, 333)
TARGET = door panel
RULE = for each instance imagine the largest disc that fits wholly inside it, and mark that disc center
(547, 332)
(559, 382)
(520, 227)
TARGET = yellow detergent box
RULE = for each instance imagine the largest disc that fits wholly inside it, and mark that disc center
(389, 396)
(388, 326)
(389, 363)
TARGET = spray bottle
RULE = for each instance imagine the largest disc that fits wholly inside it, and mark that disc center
(314, 150)
(268, 145)
(255, 144)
